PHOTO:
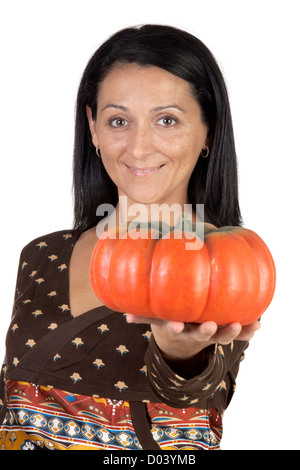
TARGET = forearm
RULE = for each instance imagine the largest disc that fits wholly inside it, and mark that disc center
(185, 358)
(178, 345)
(178, 341)
(189, 367)
(209, 382)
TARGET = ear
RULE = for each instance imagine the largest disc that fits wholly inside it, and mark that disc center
(92, 126)
(209, 139)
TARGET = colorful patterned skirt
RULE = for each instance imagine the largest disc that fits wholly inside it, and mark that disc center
(41, 417)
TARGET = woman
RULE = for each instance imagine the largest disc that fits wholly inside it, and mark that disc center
(153, 125)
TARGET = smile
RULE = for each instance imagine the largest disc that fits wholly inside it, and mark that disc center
(143, 171)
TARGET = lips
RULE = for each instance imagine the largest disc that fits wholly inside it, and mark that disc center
(143, 171)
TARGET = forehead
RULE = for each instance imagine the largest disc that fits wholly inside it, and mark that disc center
(133, 80)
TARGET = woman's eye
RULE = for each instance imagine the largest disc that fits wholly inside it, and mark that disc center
(167, 121)
(118, 122)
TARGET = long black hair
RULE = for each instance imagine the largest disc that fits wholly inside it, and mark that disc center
(214, 181)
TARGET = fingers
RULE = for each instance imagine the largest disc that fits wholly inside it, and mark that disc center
(130, 318)
(248, 331)
(172, 326)
(235, 331)
(207, 332)
(212, 333)
(175, 327)
(227, 334)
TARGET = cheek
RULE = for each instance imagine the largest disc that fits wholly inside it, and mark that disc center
(174, 146)
(111, 146)
(186, 152)
(110, 162)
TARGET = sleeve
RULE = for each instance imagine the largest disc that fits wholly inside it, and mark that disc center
(3, 368)
(2, 394)
(213, 388)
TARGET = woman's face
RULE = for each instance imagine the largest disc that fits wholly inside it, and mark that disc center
(150, 133)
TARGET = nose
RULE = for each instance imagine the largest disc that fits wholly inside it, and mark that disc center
(140, 143)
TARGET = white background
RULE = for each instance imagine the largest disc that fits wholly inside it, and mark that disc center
(45, 46)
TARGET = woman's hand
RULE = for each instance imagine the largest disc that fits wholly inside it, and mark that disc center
(181, 341)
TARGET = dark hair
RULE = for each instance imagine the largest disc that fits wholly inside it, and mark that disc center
(214, 181)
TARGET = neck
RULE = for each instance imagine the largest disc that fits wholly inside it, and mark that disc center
(169, 214)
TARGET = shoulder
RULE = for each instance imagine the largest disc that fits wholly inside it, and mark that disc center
(49, 246)
(43, 251)
(58, 240)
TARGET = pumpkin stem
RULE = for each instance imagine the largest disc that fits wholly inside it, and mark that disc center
(185, 224)
(158, 226)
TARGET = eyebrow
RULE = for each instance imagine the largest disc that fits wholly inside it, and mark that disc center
(161, 108)
(122, 108)
(154, 110)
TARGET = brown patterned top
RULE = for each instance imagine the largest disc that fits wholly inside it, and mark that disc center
(98, 353)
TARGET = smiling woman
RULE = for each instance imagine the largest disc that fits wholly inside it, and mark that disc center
(184, 60)
(153, 125)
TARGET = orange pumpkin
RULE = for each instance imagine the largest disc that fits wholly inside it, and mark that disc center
(230, 279)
